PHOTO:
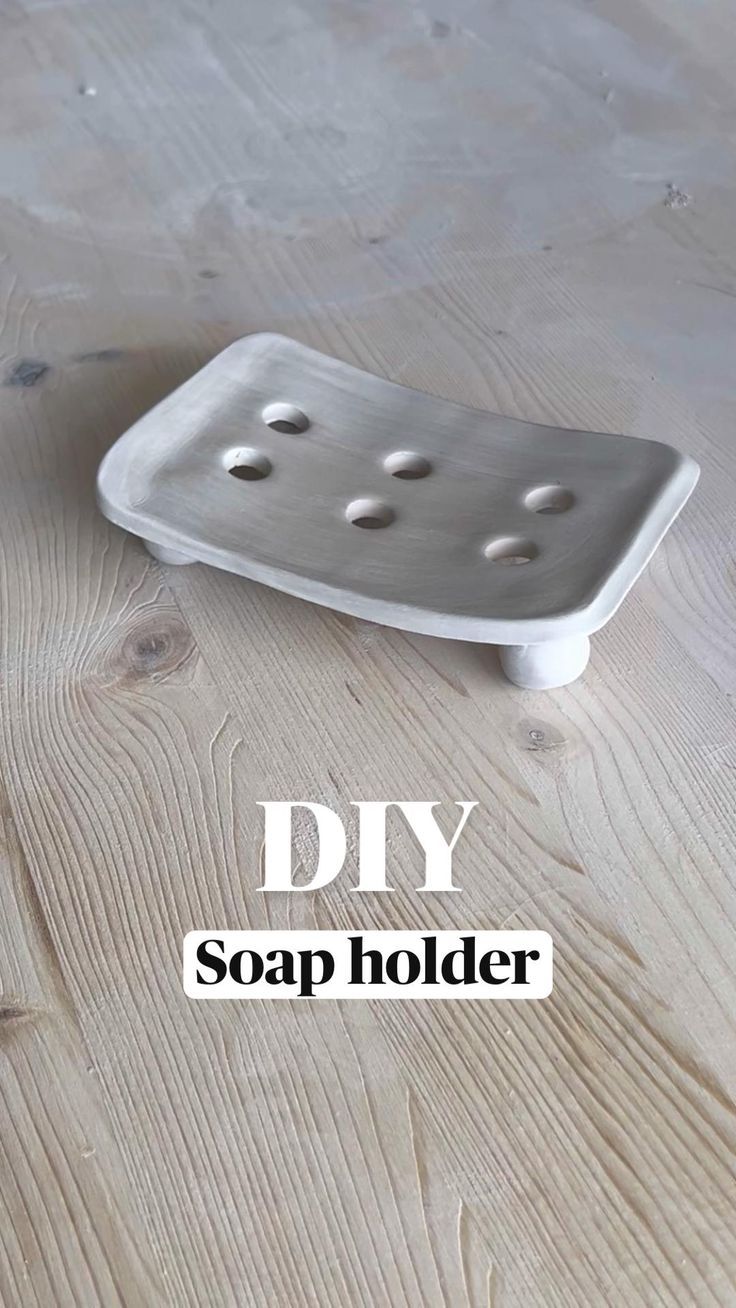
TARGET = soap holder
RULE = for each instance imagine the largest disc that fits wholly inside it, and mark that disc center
(289, 467)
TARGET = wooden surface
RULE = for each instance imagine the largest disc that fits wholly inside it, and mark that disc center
(526, 206)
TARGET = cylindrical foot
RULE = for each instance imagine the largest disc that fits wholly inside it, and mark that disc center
(542, 667)
(166, 555)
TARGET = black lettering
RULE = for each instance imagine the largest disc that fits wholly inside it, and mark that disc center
(283, 973)
(467, 953)
(236, 967)
(430, 961)
(208, 959)
(392, 967)
(486, 965)
(520, 956)
(308, 981)
(358, 957)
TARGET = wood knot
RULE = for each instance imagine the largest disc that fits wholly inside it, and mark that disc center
(15, 1013)
(12, 1012)
(27, 372)
(156, 649)
(540, 737)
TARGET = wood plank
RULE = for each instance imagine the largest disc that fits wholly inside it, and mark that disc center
(455, 201)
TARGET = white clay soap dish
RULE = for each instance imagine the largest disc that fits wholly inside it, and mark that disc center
(289, 467)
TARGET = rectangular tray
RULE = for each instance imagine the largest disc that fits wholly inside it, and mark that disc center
(580, 512)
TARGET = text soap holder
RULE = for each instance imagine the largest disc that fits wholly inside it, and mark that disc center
(289, 467)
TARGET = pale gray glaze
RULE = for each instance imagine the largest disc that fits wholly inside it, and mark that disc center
(166, 479)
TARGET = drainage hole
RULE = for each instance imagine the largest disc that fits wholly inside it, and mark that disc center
(285, 418)
(549, 499)
(510, 551)
(248, 465)
(369, 514)
(407, 466)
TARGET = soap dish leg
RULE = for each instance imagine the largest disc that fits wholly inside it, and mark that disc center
(166, 555)
(544, 666)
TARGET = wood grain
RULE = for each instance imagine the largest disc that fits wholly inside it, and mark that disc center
(477, 202)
